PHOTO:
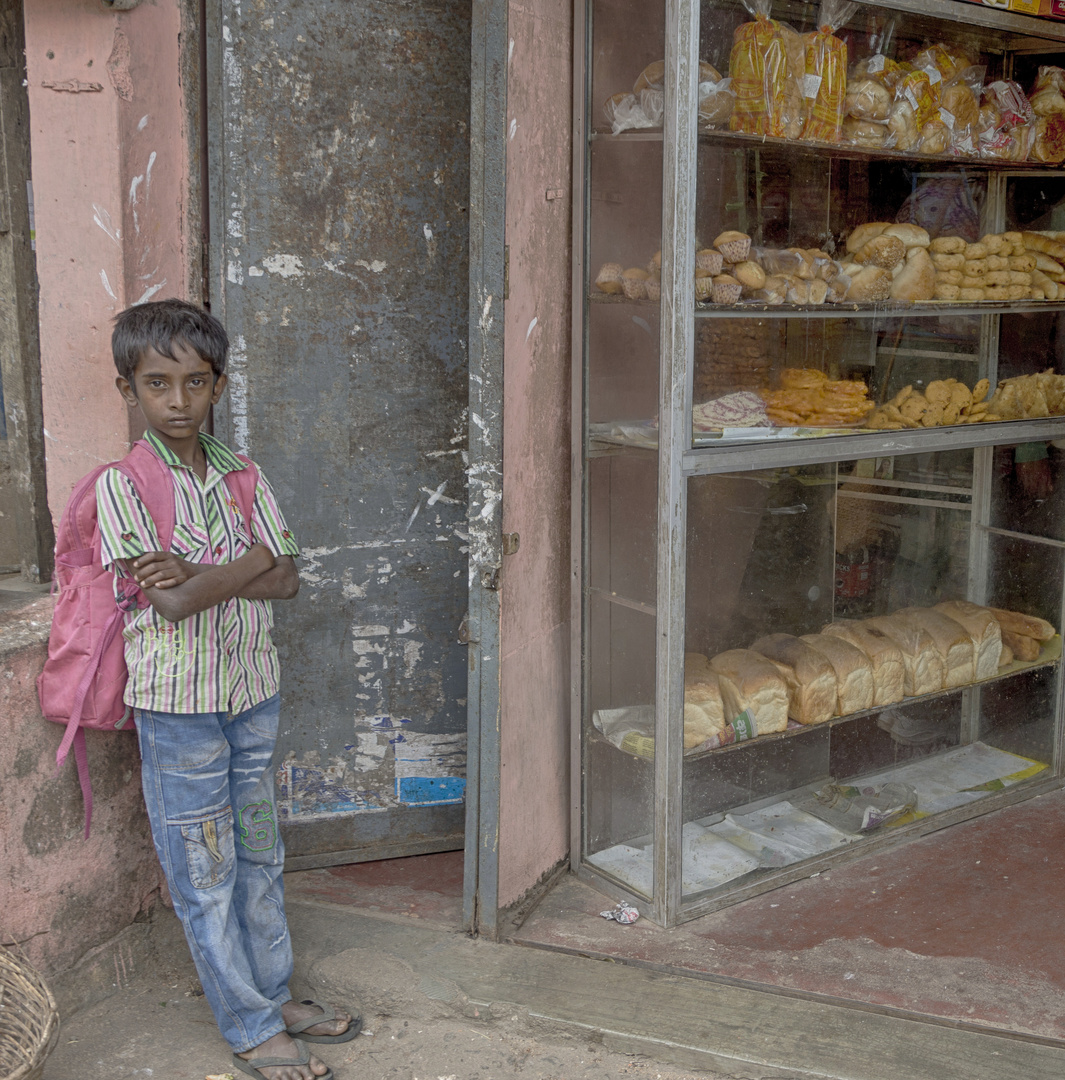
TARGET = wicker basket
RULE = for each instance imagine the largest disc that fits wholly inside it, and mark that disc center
(29, 1020)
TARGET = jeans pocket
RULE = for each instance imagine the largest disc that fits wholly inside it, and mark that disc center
(209, 850)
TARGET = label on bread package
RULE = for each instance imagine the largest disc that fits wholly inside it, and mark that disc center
(875, 64)
(811, 85)
(744, 726)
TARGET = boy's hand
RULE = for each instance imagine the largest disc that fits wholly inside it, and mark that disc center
(163, 570)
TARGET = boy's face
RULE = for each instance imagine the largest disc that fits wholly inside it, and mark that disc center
(175, 396)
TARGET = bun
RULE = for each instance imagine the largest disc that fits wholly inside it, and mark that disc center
(810, 678)
(853, 670)
(749, 274)
(960, 102)
(935, 138)
(884, 656)
(863, 233)
(948, 245)
(883, 250)
(609, 280)
(1049, 143)
(872, 283)
(868, 99)
(910, 235)
(917, 281)
(652, 77)
(869, 133)
(984, 630)
(902, 123)
(749, 681)
(1017, 622)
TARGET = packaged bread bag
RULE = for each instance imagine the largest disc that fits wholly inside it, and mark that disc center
(767, 64)
(1007, 122)
(824, 86)
(959, 109)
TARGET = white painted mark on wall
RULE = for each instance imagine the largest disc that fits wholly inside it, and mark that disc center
(374, 267)
(107, 285)
(142, 123)
(438, 495)
(148, 174)
(421, 754)
(103, 219)
(510, 51)
(285, 266)
(513, 128)
(430, 242)
(532, 327)
(149, 293)
(414, 514)
(237, 392)
(255, 271)
(234, 273)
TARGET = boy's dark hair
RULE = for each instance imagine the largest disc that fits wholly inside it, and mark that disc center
(157, 325)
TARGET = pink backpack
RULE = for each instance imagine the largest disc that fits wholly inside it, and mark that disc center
(84, 676)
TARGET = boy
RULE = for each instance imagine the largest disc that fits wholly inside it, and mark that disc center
(203, 683)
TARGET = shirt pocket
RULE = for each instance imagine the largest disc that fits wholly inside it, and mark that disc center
(190, 540)
(242, 538)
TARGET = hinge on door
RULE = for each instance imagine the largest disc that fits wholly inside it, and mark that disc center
(506, 272)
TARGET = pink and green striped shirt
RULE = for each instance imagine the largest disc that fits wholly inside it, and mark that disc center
(220, 659)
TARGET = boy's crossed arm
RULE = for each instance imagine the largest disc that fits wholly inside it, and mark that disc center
(177, 588)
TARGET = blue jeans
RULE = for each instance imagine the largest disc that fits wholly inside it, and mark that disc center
(209, 787)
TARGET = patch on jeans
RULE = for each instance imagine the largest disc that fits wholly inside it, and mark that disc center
(258, 832)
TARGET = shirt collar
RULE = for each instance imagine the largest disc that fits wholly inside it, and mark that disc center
(218, 454)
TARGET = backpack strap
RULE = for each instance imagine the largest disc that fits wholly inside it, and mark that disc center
(154, 482)
(242, 484)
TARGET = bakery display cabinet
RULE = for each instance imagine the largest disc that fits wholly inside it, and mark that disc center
(820, 509)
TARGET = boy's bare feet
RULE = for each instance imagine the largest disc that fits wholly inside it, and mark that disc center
(293, 1012)
(283, 1046)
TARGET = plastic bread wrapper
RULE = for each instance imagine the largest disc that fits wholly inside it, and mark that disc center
(948, 61)
(878, 65)
(629, 111)
(716, 102)
(824, 84)
(964, 137)
(767, 63)
(1007, 122)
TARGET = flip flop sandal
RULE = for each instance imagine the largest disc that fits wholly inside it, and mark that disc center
(255, 1067)
(328, 1013)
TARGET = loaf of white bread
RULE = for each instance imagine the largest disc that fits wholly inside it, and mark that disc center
(889, 670)
(704, 712)
(950, 639)
(810, 678)
(749, 681)
(854, 671)
(922, 662)
(984, 631)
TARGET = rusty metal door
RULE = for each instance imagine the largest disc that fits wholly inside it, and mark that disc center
(339, 185)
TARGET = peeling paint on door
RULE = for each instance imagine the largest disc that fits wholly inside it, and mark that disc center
(341, 273)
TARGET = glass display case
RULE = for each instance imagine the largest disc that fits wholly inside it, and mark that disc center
(820, 421)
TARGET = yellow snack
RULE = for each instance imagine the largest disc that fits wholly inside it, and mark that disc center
(980, 391)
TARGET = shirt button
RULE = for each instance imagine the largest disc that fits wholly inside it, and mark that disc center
(218, 550)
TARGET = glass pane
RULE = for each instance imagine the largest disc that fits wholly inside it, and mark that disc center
(823, 612)
(620, 682)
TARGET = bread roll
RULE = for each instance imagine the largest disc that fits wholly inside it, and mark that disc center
(951, 639)
(1025, 649)
(609, 278)
(1017, 622)
(910, 235)
(749, 681)
(872, 283)
(984, 630)
(853, 670)
(946, 291)
(870, 133)
(749, 274)
(917, 281)
(864, 233)
(924, 670)
(948, 245)
(735, 246)
(1037, 242)
(943, 260)
(889, 670)
(868, 99)
(886, 251)
(633, 283)
(810, 678)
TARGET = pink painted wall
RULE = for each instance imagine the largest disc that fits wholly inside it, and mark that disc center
(534, 783)
(62, 895)
(110, 181)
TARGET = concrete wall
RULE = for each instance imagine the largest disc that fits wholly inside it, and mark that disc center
(61, 895)
(534, 647)
(111, 179)
(110, 161)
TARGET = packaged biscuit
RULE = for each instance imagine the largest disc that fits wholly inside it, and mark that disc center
(824, 85)
(767, 64)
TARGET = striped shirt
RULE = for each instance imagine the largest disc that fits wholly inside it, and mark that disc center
(219, 659)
